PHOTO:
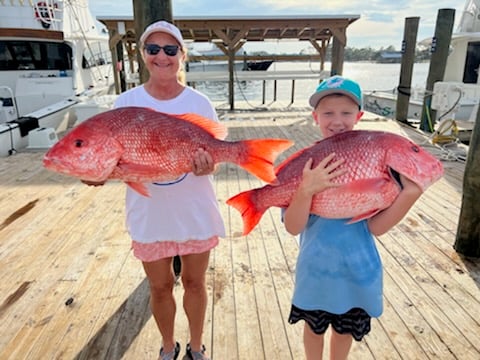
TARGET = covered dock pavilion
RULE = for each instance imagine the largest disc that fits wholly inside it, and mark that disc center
(229, 34)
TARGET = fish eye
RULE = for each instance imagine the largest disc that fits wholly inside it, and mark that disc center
(415, 149)
(78, 143)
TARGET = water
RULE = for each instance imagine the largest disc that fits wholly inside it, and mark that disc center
(370, 76)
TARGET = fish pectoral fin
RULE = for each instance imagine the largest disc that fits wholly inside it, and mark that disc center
(364, 216)
(365, 185)
(138, 169)
(138, 187)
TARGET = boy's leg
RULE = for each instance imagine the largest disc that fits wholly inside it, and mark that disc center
(313, 343)
(340, 345)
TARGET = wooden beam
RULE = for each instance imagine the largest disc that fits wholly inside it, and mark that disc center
(32, 33)
(340, 34)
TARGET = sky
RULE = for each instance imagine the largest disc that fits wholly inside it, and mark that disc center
(381, 23)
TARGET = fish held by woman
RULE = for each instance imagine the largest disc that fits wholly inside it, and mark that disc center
(139, 145)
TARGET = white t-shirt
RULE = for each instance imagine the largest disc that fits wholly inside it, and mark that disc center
(179, 210)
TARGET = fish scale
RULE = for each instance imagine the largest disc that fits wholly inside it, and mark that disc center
(366, 188)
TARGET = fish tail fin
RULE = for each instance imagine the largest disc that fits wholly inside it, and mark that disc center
(261, 155)
(245, 204)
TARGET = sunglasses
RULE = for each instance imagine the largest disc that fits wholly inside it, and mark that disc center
(154, 49)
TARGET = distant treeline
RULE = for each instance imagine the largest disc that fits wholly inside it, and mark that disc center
(364, 54)
(369, 54)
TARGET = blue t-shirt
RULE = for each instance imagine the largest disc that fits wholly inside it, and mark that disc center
(338, 268)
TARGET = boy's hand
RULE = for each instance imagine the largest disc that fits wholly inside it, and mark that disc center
(317, 179)
(409, 187)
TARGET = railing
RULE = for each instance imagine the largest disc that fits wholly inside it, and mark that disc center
(46, 12)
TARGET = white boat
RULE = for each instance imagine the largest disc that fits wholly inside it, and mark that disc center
(52, 56)
(457, 96)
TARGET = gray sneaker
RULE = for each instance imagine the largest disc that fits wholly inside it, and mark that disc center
(196, 355)
(172, 355)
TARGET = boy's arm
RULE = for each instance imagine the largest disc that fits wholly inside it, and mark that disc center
(388, 218)
(313, 181)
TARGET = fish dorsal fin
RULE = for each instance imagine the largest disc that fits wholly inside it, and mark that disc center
(214, 128)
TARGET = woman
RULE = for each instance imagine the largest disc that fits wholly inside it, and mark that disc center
(181, 217)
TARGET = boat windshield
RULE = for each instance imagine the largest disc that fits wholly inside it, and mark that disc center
(34, 55)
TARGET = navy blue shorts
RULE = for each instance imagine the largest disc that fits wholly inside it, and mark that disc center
(355, 322)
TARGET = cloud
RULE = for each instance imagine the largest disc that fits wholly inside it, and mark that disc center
(381, 22)
(379, 17)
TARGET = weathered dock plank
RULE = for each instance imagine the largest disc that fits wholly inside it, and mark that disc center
(61, 240)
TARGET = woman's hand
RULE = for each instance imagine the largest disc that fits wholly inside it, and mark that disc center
(202, 163)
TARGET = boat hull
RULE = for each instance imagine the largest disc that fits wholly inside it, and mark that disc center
(56, 57)
(456, 101)
(14, 134)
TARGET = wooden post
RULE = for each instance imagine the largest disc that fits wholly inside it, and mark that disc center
(406, 69)
(438, 62)
(116, 74)
(231, 79)
(292, 96)
(121, 70)
(146, 12)
(338, 53)
(263, 91)
(468, 232)
(275, 90)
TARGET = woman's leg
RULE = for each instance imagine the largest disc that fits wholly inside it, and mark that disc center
(194, 267)
(340, 345)
(313, 343)
(161, 279)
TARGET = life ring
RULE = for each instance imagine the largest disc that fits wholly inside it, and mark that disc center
(44, 13)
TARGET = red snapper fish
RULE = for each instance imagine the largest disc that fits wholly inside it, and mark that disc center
(139, 145)
(373, 160)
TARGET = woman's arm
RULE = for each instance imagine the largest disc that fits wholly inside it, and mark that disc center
(388, 218)
(313, 181)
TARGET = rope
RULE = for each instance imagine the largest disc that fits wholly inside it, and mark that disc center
(446, 147)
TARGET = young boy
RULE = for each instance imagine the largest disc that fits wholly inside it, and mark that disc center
(339, 272)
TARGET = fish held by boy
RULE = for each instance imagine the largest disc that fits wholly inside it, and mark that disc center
(140, 145)
(371, 158)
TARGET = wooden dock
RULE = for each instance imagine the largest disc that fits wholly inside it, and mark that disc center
(71, 288)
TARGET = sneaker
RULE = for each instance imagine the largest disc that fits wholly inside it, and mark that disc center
(197, 355)
(172, 355)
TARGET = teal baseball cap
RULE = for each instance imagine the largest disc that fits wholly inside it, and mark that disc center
(337, 85)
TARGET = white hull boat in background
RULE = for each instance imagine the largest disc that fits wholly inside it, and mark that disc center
(53, 55)
(458, 95)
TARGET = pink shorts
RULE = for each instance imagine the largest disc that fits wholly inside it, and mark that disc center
(165, 249)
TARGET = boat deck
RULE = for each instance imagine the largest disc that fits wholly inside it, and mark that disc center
(71, 288)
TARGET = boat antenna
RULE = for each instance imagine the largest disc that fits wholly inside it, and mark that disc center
(74, 12)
